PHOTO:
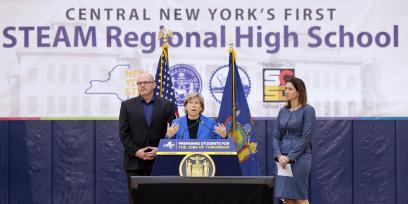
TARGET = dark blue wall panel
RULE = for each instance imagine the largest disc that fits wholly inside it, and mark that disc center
(58, 162)
(73, 162)
(38, 139)
(4, 134)
(270, 164)
(111, 184)
(19, 175)
(402, 162)
(332, 166)
(260, 133)
(374, 162)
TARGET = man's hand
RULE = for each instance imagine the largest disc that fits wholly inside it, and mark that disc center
(147, 153)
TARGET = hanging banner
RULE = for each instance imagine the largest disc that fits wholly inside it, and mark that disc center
(80, 59)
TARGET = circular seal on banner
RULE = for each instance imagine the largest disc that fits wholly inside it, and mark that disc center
(185, 80)
(219, 78)
(197, 165)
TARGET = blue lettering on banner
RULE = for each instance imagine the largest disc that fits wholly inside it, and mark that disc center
(250, 36)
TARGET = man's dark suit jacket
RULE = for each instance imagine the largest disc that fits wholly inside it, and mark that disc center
(134, 132)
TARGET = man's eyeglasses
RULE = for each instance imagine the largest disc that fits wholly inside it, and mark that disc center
(144, 82)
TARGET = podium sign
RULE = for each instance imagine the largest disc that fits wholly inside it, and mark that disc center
(199, 158)
(188, 146)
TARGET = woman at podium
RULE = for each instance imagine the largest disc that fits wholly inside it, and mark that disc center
(194, 125)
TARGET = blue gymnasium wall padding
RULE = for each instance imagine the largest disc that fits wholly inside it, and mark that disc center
(402, 161)
(331, 178)
(260, 133)
(20, 189)
(374, 162)
(73, 162)
(270, 164)
(38, 138)
(4, 133)
(111, 184)
(354, 162)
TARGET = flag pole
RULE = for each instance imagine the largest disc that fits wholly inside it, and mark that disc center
(232, 53)
(165, 35)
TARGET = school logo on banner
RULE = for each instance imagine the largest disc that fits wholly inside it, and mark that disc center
(274, 81)
(185, 80)
(219, 78)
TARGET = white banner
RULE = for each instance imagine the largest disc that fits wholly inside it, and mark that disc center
(76, 59)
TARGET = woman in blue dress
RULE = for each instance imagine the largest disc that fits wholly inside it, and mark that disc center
(194, 125)
(291, 143)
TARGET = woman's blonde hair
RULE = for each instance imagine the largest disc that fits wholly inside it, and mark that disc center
(190, 97)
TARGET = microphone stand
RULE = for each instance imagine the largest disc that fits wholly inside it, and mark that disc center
(211, 129)
(194, 124)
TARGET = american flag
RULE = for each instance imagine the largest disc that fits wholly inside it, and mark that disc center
(165, 89)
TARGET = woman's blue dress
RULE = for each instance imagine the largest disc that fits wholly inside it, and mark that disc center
(292, 136)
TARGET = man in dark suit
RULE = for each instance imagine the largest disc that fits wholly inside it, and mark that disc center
(142, 123)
